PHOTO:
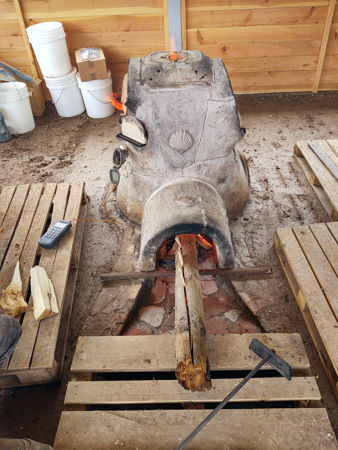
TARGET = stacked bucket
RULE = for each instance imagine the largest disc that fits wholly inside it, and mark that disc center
(48, 40)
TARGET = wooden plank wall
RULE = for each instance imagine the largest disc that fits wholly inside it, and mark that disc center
(266, 45)
(123, 28)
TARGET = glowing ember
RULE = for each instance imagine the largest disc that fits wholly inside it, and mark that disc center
(203, 242)
(113, 99)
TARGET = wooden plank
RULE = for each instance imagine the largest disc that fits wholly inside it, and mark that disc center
(257, 49)
(169, 391)
(327, 243)
(254, 17)
(333, 143)
(270, 63)
(207, 36)
(46, 341)
(12, 218)
(333, 227)
(106, 24)
(23, 351)
(157, 353)
(309, 295)
(132, 38)
(325, 38)
(256, 428)
(184, 24)
(166, 25)
(38, 9)
(5, 200)
(319, 191)
(328, 150)
(280, 80)
(323, 175)
(20, 235)
(60, 350)
(25, 37)
(219, 5)
(320, 265)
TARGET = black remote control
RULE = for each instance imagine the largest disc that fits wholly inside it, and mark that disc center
(54, 234)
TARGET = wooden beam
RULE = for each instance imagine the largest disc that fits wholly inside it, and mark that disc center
(184, 24)
(37, 100)
(238, 273)
(192, 362)
(166, 25)
(325, 38)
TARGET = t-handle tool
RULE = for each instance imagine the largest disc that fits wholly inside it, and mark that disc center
(268, 356)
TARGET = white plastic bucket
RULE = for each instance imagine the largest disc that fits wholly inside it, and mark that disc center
(50, 47)
(66, 94)
(95, 94)
(15, 107)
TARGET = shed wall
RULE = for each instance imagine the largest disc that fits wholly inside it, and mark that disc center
(266, 45)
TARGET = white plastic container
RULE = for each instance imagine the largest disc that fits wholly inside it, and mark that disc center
(15, 107)
(66, 94)
(49, 43)
(96, 95)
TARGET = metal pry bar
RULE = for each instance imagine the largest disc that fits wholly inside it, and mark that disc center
(268, 356)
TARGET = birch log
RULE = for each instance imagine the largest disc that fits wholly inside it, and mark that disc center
(192, 364)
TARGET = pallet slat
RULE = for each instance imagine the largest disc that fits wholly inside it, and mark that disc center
(327, 243)
(5, 200)
(320, 266)
(48, 330)
(157, 353)
(260, 428)
(11, 219)
(301, 261)
(169, 391)
(323, 182)
(20, 235)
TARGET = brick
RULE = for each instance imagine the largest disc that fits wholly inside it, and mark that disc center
(159, 291)
(209, 287)
(152, 315)
(212, 307)
(233, 315)
(133, 330)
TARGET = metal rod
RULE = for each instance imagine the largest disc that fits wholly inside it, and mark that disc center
(236, 273)
(223, 403)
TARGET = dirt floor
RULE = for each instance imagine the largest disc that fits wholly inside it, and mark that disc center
(81, 149)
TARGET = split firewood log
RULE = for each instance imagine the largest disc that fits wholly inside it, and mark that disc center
(12, 301)
(192, 362)
(44, 300)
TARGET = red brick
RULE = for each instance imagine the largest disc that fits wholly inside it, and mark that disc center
(217, 325)
(133, 330)
(212, 307)
(159, 292)
(209, 287)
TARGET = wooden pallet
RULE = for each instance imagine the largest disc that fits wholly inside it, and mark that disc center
(323, 182)
(123, 394)
(26, 211)
(309, 257)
